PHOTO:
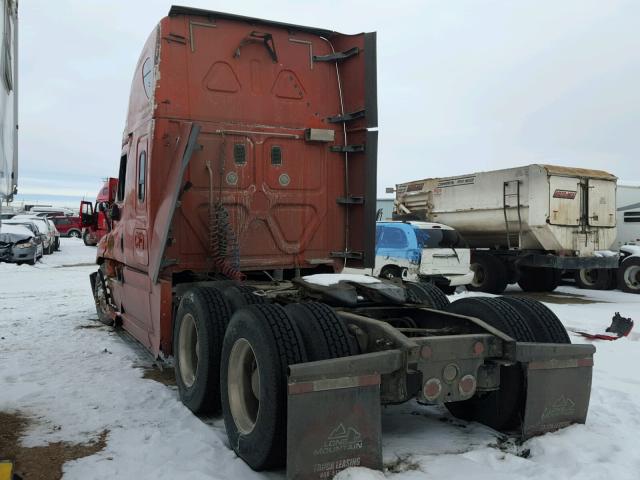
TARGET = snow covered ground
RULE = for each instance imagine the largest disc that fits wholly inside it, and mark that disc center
(76, 382)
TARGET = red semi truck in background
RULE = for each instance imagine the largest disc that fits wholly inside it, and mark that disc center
(93, 216)
(247, 181)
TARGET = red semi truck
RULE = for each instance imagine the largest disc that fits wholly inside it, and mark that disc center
(94, 216)
(247, 182)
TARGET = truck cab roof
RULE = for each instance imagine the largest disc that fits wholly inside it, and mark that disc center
(417, 224)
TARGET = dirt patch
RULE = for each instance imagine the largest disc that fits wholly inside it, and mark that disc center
(101, 325)
(40, 463)
(401, 464)
(164, 375)
(556, 298)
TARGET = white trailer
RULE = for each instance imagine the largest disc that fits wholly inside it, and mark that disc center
(628, 200)
(8, 100)
(524, 224)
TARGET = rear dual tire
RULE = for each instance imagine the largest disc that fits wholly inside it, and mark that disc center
(595, 278)
(490, 274)
(629, 275)
(524, 320)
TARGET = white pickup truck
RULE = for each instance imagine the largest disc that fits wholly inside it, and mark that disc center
(422, 251)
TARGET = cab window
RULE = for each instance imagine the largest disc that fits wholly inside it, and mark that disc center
(122, 174)
(393, 237)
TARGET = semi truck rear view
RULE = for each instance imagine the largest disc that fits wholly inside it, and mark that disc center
(524, 224)
(246, 184)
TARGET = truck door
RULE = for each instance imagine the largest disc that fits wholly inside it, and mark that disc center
(565, 200)
(87, 218)
(601, 203)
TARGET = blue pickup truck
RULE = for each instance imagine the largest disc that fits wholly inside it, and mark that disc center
(422, 251)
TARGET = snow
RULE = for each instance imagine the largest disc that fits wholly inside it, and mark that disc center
(326, 279)
(76, 382)
(16, 229)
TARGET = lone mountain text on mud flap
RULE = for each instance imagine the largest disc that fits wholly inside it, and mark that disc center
(246, 183)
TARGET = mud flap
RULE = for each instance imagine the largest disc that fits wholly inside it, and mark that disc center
(558, 383)
(332, 423)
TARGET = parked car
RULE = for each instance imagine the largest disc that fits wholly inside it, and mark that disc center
(422, 251)
(38, 231)
(46, 227)
(40, 211)
(68, 225)
(19, 244)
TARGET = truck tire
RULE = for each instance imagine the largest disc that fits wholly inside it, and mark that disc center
(426, 294)
(546, 326)
(629, 275)
(593, 278)
(500, 409)
(198, 332)
(538, 279)
(490, 274)
(73, 233)
(102, 298)
(87, 241)
(240, 296)
(260, 343)
(324, 333)
(390, 272)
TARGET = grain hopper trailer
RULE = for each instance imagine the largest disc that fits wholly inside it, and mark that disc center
(247, 183)
(524, 224)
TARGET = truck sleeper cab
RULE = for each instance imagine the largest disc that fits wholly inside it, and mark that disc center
(247, 180)
(422, 251)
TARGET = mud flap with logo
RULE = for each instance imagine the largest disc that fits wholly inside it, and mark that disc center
(333, 424)
(558, 382)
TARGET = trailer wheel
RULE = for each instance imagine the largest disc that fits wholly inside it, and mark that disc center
(426, 294)
(538, 279)
(498, 409)
(101, 297)
(324, 333)
(259, 345)
(593, 278)
(240, 296)
(490, 274)
(546, 326)
(198, 332)
(74, 233)
(629, 275)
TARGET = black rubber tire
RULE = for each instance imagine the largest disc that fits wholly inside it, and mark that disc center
(240, 296)
(276, 343)
(426, 294)
(593, 278)
(211, 314)
(546, 326)
(74, 233)
(537, 279)
(490, 274)
(501, 409)
(324, 333)
(629, 275)
(87, 242)
(102, 306)
(390, 272)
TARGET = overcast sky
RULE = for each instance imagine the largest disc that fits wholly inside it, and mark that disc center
(462, 85)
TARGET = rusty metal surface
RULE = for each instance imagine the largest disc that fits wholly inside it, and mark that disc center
(578, 172)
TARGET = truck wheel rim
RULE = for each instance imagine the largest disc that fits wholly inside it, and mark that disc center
(243, 386)
(632, 277)
(588, 276)
(188, 354)
(478, 275)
